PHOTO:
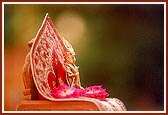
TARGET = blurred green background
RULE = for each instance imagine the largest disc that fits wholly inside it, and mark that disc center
(118, 46)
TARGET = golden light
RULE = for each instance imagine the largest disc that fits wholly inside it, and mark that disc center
(71, 26)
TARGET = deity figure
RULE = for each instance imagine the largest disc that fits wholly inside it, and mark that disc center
(72, 72)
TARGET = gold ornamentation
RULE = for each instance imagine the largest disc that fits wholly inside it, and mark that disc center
(72, 75)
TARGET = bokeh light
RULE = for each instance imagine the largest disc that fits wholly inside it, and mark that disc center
(72, 26)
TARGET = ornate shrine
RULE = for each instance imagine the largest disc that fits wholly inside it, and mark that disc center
(51, 77)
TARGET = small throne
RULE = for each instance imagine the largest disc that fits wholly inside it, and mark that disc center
(49, 64)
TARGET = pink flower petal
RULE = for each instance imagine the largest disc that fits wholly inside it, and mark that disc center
(69, 92)
(65, 92)
(95, 92)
